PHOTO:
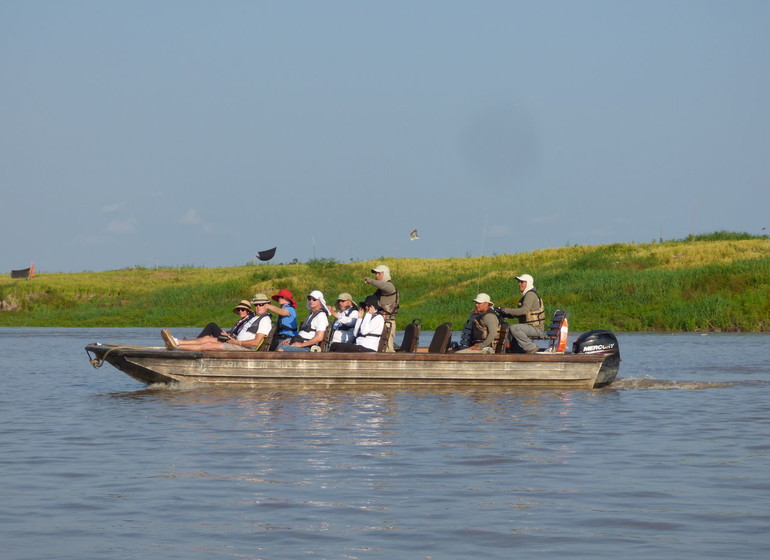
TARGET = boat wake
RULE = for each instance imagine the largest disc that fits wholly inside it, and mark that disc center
(641, 383)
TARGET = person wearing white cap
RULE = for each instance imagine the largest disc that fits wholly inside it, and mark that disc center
(482, 326)
(531, 314)
(387, 298)
(345, 318)
(313, 328)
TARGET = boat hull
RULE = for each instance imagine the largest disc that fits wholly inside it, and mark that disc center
(306, 369)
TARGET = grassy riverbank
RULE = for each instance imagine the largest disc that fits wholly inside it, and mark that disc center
(712, 282)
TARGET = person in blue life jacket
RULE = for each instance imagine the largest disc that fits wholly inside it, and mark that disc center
(247, 334)
(286, 310)
(313, 329)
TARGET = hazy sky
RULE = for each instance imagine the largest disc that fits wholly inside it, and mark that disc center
(173, 133)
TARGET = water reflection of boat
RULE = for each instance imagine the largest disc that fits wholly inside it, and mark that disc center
(594, 362)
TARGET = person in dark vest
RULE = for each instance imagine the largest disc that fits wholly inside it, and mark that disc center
(345, 318)
(367, 332)
(531, 315)
(313, 329)
(481, 328)
(388, 299)
(247, 334)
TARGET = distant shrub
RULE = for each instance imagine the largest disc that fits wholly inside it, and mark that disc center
(722, 236)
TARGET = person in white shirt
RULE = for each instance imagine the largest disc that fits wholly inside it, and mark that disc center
(247, 334)
(345, 319)
(313, 328)
(368, 330)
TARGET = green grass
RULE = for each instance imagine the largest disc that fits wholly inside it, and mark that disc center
(718, 281)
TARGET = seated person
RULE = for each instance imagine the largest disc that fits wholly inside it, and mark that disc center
(346, 318)
(481, 328)
(313, 329)
(367, 332)
(531, 314)
(287, 316)
(247, 334)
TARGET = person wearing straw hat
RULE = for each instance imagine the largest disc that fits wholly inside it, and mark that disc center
(482, 326)
(247, 334)
(287, 316)
(313, 328)
(345, 318)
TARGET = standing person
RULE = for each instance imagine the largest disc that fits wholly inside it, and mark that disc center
(345, 318)
(387, 299)
(482, 326)
(368, 330)
(247, 334)
(287, 316)
(531, 315)
(313, 328)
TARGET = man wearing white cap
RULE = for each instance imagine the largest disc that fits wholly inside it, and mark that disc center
(531, 315)
(313, 328)
(482, 326)
(387, 298)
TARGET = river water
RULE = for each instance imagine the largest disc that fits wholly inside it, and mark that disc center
(673, 461)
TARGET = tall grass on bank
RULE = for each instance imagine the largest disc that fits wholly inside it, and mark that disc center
(693, 284)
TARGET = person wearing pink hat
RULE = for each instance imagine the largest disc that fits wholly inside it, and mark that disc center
(287, 316)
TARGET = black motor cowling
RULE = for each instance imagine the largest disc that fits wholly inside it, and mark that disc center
(600, 342)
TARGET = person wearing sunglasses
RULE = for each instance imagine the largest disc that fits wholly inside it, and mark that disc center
(313, 328)
(247, 334)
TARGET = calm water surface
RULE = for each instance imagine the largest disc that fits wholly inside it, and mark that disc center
(672, 462)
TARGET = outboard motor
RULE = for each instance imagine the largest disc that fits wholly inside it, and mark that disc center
(600, 342)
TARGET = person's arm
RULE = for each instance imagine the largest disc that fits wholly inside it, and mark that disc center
(282, 311)
(387, 288)
(320, 324)
(250, 343)
(346, 322)
(528, 303)
(259, 330)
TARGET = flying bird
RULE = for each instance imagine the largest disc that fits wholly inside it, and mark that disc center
(267, 254)
(413, 235)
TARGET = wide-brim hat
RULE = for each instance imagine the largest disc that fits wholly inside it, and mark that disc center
(286, 294)
(344, 296)
(318, 294)
(244, 304)
(260, 298)
(483, 298)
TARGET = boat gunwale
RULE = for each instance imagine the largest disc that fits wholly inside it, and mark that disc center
(159, 351)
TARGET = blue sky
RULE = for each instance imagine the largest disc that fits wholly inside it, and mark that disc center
(176, 133)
